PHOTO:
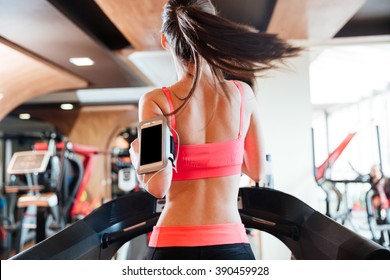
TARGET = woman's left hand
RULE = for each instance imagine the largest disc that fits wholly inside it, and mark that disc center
(134, 153)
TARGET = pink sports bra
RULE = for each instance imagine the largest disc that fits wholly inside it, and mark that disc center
(210, 159)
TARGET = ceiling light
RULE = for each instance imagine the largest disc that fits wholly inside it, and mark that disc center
(24, 116)
(66, 106)
(81, 61)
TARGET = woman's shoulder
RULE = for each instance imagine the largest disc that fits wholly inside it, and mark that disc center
(153, 101)
(152, 94)
(247, 89)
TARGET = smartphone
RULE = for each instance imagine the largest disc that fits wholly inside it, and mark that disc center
(154, 139)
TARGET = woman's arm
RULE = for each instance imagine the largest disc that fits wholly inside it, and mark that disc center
(156, 183)
(254, 151)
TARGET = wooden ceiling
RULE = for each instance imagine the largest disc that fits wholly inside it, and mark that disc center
(139, 21)
(45, 34)
(312, 20)
(291, 19)
(24, 76)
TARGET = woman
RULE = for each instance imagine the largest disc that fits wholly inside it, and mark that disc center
(216, 126)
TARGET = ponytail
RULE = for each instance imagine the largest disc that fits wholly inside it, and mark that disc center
(196, 33)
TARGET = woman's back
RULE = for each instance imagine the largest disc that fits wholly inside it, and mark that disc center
(213, 117)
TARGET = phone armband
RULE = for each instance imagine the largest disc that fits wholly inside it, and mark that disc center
(155, 141)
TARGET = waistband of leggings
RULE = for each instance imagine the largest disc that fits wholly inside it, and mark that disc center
(198, 235)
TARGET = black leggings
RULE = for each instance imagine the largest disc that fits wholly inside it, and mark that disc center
(240, 251)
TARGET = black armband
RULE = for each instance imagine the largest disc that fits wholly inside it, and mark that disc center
(172, 154)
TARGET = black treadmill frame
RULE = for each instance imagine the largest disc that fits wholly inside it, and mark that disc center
(307, 233)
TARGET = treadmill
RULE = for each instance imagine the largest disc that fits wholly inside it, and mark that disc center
(309, 234)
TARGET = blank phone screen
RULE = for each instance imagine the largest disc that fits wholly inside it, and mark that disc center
(151, 144)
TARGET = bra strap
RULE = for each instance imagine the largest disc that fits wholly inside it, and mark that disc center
(173, 119)
(238, 85)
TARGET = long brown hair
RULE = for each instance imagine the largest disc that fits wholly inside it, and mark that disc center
(195, 32)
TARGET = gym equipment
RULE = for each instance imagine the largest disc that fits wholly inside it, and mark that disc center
(123, 175)
(53, 180)
(70, 181)
(378, 226)
(31, 203)
(306, 232)
(328, 185)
